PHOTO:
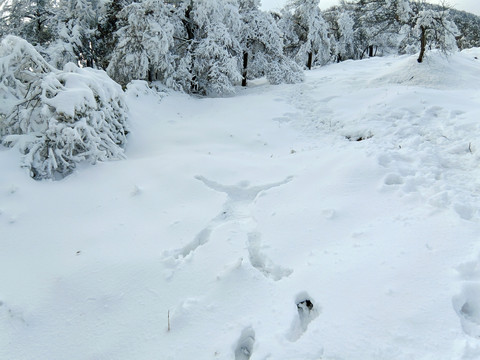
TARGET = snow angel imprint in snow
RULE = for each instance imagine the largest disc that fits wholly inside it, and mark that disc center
(236, 208)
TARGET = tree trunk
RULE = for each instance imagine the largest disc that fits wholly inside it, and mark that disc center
(245, 65)
(370, 51)
(310, 60)
(423, 43)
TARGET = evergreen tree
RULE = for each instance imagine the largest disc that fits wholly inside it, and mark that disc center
(469, 28)
(108, 24)
(143, 50)
(341, 25)
(262, 45)
(307, 32)
(378, 24)
(57, 118)
(32, 20)
(215, 51)
(76, 25)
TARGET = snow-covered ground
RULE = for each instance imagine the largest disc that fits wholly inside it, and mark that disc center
(334, 219)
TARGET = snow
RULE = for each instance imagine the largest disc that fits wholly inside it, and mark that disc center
(333, 219)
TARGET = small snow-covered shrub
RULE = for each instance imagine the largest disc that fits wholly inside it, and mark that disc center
(58, 118)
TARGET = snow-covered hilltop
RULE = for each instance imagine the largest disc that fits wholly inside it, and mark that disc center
(337, 218)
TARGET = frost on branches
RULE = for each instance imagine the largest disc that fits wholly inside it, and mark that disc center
(307, 40)
(144, 44)
(214, 61)
(262, 45)
(435, 30)
(57, 118)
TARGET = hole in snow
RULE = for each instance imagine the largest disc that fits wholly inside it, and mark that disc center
(304, 305)
(307, 312)
(358, 137)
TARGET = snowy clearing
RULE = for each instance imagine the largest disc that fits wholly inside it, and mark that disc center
(333, 219)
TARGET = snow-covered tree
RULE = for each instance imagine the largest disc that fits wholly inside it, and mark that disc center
(344, 45)
(4, 30)
(469, 28)
(310, 43)
(215, 50)
(143, 50)
(436, 31)
(341, 24)
(429, 27)
(261, 41)
(378, 24)
(32, 20)
(76, 24)
(108, 24)
(57, 118)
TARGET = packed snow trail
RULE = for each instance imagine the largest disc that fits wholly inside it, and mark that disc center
(421, 123)
(364, 191)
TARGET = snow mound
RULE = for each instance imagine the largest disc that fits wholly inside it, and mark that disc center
(436, 72)
(58, 118)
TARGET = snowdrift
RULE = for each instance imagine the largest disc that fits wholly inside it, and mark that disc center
(458, 71)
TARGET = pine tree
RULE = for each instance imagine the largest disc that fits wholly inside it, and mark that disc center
(342, 36)
(262, 45)
(31, 20)
(108, 24)
(378, 24)
(76, 24)
(57, 118)
(310, 43)
(143, 51)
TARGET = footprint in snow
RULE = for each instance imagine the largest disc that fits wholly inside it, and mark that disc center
(467, 303)
(307, 311)
(467, 307)
(244, 347)
(261, 262)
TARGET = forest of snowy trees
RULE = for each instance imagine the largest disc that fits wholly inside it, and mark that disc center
(208, 46)
(53, 50)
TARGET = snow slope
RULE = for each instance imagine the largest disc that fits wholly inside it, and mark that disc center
(333, 219)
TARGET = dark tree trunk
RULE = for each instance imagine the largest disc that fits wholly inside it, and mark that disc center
(370, 51)
(423, 43)
(310, 60)
(190, 28)
(245, 65)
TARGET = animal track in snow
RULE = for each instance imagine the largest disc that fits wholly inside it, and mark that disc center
(244, 348)
(307, 312)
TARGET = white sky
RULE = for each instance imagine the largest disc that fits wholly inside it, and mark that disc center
(472, 6)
